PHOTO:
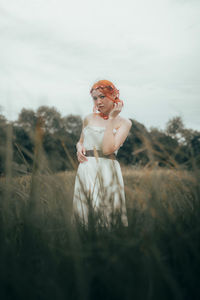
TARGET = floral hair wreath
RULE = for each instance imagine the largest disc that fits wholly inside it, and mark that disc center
(111, 88)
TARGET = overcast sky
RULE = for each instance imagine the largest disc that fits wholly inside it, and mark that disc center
(52, 51)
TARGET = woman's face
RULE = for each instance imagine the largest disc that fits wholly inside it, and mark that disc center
(102, 103)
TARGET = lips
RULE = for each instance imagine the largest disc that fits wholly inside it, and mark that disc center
(99, 108)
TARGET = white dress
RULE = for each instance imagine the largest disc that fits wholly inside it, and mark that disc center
(99, 185)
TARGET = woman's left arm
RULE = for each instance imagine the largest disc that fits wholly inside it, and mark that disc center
(111, 141)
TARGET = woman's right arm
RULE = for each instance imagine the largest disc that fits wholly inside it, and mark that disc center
(79, 146)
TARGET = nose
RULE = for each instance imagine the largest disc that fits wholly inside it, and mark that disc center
(98, 100)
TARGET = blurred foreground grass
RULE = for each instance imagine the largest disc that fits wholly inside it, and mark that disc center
(157, 257)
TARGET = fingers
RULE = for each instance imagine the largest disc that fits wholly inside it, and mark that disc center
(116, 110)
(81, 155)
(81, 158)
(83, 151)
(118, 106)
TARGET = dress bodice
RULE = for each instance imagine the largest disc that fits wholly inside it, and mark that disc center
(93, 137)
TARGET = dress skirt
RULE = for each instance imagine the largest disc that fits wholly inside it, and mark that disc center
(99, 192)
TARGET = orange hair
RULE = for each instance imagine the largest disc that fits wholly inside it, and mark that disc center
(108, 89)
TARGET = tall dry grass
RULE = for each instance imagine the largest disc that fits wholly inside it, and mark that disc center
(42, 256)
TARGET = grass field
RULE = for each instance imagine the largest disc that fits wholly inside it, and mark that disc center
(157, 257)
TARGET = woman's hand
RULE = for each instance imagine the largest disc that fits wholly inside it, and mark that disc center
(116, 110)
(80, 153)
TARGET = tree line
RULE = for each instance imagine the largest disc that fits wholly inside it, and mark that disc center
(172, 147)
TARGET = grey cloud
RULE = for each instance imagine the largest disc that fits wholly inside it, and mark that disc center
(40, 63)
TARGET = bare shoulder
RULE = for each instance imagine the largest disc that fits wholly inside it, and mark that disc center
(87, 119)
(125, 122)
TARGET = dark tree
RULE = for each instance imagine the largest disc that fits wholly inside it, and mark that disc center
(51, 118)
(3, 127)
(135, 148)
(27, 119)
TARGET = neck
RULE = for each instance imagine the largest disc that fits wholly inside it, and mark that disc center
(102, 115)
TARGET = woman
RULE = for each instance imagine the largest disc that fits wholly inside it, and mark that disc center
(99, 187)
